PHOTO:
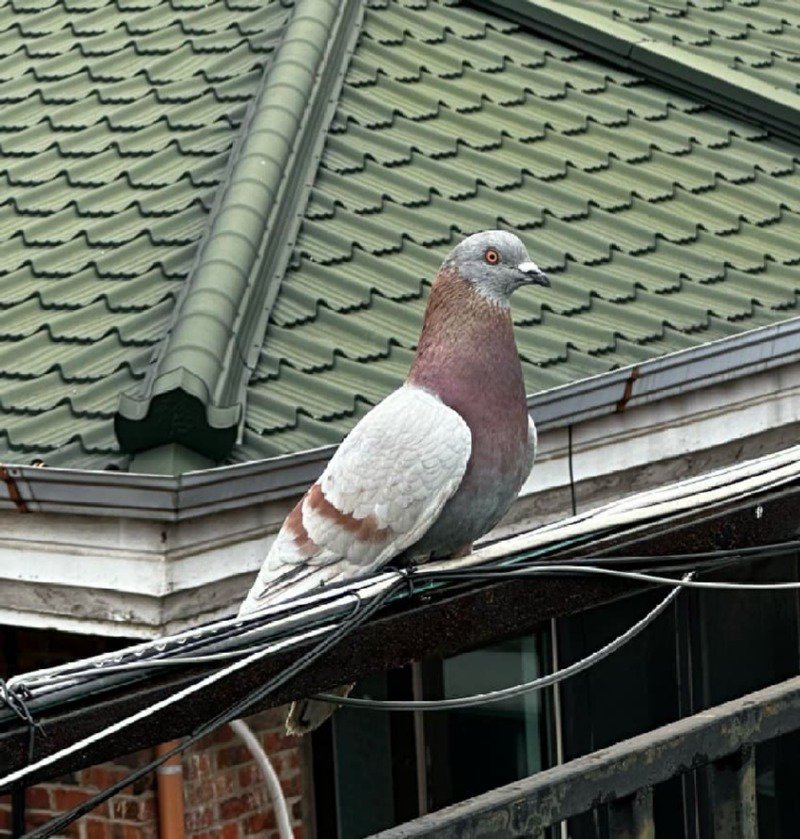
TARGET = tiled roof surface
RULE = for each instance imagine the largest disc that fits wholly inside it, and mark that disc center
(760, 38)
(664, 224)
(116, 122)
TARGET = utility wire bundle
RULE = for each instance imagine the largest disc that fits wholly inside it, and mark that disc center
(317, 622)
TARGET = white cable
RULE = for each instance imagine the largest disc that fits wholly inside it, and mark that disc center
(20, 774)
(641, 576)
(270, 777)
(515, 690)
(322, 606)
(367, 593)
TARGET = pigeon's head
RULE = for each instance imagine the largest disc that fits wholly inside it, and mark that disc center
(496, 263)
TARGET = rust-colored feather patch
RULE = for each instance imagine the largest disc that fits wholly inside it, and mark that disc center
(365, 530)
(294, 524)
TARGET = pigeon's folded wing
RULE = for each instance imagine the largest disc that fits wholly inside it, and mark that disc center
(381, 491)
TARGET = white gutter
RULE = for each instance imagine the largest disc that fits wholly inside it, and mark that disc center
(172, 499)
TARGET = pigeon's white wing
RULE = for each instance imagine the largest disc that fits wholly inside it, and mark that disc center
(381, 491)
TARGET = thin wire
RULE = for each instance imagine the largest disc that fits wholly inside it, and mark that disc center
(630, 575)
(479, 699)
(82, 680)
(234, 711)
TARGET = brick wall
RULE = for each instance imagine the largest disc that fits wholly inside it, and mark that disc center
(224, 793)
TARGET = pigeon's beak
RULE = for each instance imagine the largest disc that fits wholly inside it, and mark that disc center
(532, 274)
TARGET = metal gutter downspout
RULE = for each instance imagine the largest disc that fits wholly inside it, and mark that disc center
(169, 794)
(194, 494)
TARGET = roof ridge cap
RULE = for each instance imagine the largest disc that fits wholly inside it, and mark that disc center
(705, 79)
(194, 390)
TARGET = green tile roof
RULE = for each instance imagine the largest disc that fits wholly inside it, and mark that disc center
(663, 222)
(116, 121)
(759, 39)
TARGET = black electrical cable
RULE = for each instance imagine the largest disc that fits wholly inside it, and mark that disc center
(234, 711)
(670, 562)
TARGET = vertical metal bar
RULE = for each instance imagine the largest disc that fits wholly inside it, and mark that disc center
(417, 689)
(17, 812)
(632, 817)
(733, 785)
(562, 830)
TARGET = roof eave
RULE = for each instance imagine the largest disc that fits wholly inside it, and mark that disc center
(199, 493)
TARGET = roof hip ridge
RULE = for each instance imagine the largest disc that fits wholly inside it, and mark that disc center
(708, 80)
(194, 391)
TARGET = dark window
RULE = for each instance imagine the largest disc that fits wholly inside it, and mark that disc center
(711, 647)
(374, 769)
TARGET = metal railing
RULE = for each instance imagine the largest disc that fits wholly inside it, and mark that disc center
(623, 776)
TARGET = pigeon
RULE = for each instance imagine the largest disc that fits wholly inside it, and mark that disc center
(437, 463)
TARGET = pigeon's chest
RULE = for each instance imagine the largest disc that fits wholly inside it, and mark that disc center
(496, 412)
(491, 399)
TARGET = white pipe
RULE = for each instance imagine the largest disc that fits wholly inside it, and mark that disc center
(270, 777)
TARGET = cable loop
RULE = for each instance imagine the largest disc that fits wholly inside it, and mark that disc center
(407, 573)
(17, 698)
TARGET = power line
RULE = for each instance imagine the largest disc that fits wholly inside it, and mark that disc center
(360, 613)
(516, 690)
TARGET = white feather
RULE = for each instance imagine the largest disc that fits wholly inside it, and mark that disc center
(399, 465)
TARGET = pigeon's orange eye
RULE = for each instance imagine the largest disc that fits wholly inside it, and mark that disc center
(492, 256)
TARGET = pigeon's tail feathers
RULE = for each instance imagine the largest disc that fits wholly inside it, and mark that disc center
(293, 581)
(307, 714)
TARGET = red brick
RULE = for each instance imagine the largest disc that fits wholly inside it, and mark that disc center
(147, 808)
(66, 798)
(224, 734)
(101, 777)
(275, 741)
(5, 818)
(230, 831)
(36, 818)
(198, 793)
(198, 819)
(125, 808)
(299, 831)
(232, 756)
(38, 798)
(234, 807)
(292, 786)
(197, 765)
(249, 775)
(97, 829)
(224, 784)
(257, 823)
